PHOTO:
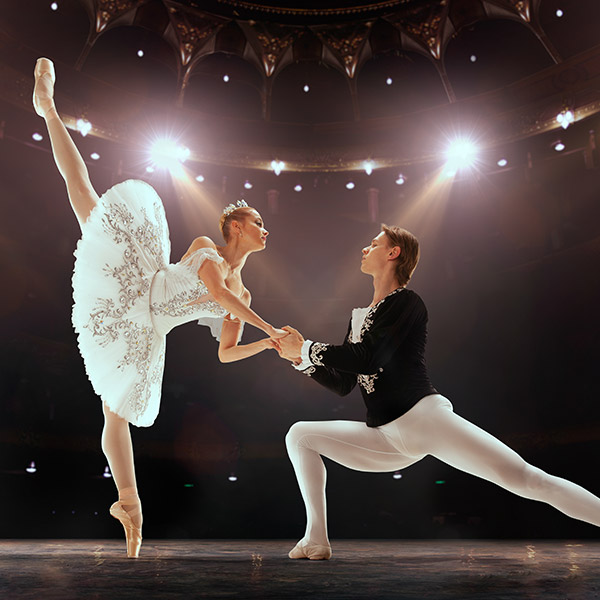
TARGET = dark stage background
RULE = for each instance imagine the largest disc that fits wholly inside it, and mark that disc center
(509, 273)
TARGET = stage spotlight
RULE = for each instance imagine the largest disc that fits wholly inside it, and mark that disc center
(350, 185)
(248, 185)
(150, 169)
(38, 137)
(502, 162)
(473, 58)
(95, 156)
(232, 477)
(298, 188)
(140, 53)
(565, 117)
(83, 126)
(401, 180)
(31, 468)
(368, 166)
(277, 166)
(54, 6)
(558, 146)
(306, 88)
(389, 81)
(167, 154)
(460, 155)
(397, 475)
(559, 12)
(199, 178)
(107, 474)
(226, 78)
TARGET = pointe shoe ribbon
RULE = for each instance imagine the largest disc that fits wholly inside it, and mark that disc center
(43, 91)
(133, 534)
(304, 549)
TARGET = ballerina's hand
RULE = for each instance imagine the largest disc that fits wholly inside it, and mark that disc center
(277, 333)
(272, 344)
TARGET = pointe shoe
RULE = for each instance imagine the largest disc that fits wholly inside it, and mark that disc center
(133, 534)
(43, 91)
(306, 549)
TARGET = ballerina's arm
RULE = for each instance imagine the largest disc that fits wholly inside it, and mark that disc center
(230, 350)
(212, 276)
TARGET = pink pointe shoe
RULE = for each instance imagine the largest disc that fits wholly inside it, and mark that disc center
(306, 549)
(43, 91)
(133, 534)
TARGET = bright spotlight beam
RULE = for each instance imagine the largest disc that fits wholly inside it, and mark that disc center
(167, 154)
(461, 154)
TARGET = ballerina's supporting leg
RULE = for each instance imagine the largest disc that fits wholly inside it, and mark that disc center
(118, 449)
(70, 164)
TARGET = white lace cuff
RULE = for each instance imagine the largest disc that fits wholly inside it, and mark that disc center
(305, 364)
(196, 259)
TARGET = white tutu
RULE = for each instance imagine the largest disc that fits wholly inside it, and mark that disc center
(124, 242)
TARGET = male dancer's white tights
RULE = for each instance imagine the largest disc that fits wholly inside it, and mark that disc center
(430, 427)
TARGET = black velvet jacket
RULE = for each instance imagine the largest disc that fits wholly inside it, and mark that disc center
(388, 362)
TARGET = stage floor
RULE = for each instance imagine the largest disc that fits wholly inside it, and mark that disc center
(373, 569)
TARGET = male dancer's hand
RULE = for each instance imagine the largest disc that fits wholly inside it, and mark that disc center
(291, 345)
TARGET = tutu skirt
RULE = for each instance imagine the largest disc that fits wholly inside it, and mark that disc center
(124, 243)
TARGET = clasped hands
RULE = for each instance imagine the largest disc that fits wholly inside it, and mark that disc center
(289, 345)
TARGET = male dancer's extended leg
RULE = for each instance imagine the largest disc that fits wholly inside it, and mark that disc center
(348, 443)
(116, 437)
(435, 429)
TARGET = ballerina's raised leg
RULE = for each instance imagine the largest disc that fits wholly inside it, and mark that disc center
(116, 437)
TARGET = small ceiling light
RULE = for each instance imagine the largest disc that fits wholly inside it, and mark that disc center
(473, 58)
(31, 468)
(38, 137)
(54, 6)
(94, 156)
(149, 169)
(502, 162)
(248, 185)
(277, 166)
(298, 188)
(368, 166)
(140, 53)
(200, 178)
(559, 12)
(401, 179)
(306, 88)
(558, 146)
(350, 185)
(226, 78)
(389, 81)
(107, 474)
(232, 477)
(397, 475)
(565, 117)
(83, 126)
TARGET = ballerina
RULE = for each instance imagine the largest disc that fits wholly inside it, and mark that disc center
(127, 296)
(407, 419)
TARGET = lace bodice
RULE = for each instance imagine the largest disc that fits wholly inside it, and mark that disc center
(175, 286)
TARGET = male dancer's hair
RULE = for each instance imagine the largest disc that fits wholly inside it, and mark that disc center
(407, 262)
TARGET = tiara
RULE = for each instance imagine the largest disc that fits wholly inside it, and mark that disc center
(231, 207)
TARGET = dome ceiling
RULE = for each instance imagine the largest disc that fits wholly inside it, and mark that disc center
(318, 85)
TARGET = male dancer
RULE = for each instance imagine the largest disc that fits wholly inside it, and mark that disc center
(407, 419)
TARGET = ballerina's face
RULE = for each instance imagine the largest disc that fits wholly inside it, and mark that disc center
(253, 229)
(376, 255)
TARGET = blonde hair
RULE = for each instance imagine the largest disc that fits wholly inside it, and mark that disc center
(239, 214)
(407, 262)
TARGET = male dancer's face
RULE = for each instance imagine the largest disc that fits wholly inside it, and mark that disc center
(376, 255)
